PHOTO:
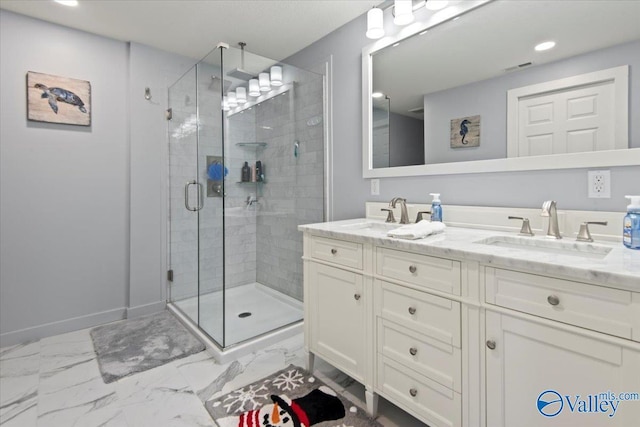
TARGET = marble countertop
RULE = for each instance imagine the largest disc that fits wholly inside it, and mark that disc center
(619, 269)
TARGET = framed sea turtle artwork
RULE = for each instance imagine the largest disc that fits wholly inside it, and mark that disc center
(55, 99)
(465, 132)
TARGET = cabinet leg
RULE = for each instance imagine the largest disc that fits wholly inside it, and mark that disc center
(310, 361)
(372, 403)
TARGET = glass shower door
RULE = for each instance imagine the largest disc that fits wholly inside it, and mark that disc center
(196, 182)
(183, 195)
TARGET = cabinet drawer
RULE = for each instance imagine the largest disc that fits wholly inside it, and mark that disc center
(337, 251)
(436, 405)
(601, 309)
(434, 359)
(433, 316)
(431, 272)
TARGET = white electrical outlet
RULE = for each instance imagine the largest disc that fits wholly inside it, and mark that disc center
(375, 187)
(599, 184)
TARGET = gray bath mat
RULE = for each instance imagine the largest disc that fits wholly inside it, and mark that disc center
(135, 345)
(291, 397)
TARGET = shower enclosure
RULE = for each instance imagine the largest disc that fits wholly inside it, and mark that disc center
(246, 167)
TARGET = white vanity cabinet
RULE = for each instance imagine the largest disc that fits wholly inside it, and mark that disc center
(336, 304)
(565, 362)
(369, 313)
(458, 337)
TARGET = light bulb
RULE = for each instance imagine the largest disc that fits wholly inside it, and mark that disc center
(276, 76)
(254, 87)
(232, 100)
(436, 4)
(67, 2)
(545, 46)
(403, 12)
(265, 84)
(241, 95)
(375, 28)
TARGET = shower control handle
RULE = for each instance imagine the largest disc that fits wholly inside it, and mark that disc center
(356, 297)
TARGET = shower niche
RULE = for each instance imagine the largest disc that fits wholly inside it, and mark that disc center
(236, 257)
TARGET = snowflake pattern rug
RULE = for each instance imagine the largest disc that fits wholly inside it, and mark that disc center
(291, 397)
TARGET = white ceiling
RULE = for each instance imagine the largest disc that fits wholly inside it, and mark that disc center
(275, 29)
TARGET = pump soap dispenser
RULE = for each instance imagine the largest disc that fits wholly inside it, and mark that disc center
(631, 224)
(436, 208)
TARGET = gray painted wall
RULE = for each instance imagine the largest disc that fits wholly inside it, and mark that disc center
(155, 69)
(65, 190)
(521, 189)
(69, 257)
(409, 132)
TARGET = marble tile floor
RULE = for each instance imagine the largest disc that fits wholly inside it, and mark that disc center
(55, 382)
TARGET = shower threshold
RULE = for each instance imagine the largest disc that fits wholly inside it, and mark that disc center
(256, 317)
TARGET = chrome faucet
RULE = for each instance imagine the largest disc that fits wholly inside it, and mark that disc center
(404, 216)
(549, 210)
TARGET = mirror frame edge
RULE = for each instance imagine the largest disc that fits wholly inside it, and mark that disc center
(628, 157)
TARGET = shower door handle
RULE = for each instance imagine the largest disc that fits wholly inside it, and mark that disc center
(186, 196)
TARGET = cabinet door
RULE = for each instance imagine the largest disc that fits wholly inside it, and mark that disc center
(538, 375)
(337, 310)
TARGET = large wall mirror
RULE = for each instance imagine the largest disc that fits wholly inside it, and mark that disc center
(463, 90)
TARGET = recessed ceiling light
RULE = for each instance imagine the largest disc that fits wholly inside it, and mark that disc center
(67, 2)
(436, 4)
(377, 95)
(545, 46)
(423, 33)
(396, 44)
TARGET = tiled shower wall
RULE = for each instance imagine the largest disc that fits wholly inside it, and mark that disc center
(294, 190)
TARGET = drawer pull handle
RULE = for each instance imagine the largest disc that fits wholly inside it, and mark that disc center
(413, 392)
(413, 269)
(413, 351)
(334, 251)
(412, 310)
(356, 297)
(491, 344)
(553, 300)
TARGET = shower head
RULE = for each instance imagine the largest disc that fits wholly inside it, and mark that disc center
(241, 74)
(215, 84)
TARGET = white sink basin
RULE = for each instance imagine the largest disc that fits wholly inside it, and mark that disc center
(371, 225)
(560, 247)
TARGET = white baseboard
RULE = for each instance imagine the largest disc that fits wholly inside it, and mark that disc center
(60, 327)
(142, 310)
